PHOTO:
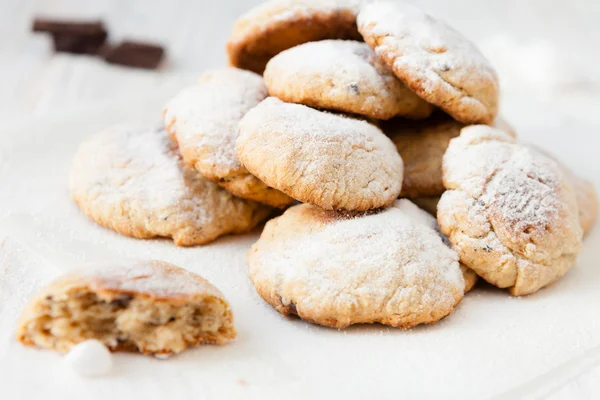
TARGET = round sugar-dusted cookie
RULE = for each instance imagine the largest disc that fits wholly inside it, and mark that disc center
(434, 60)
(422, 145)
(278, 25)
(132, 179)
(509, 211)
(148, 306)
(203, 120)
(341, 75)
(336, 269)
(329, 160)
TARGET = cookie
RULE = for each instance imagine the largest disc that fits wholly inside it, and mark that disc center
(203, 120)
(422, 145)
(341, 75)
(434, 60)
(148, 306)
(132, 179)
(329, 160)
(337, 269)
(278, 25)
(509, 211)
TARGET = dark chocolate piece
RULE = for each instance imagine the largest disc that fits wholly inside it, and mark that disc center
(73, 37)
(68, 43)
(134, 54)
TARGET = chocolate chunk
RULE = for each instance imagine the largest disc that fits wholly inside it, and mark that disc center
(89, 29)
(293, 309)
(444, 68)
(134, 54)
(354, 87)
(73, 37)
(122, 301)
(68, 43)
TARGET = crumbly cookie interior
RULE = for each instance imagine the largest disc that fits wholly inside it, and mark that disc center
(127, 322)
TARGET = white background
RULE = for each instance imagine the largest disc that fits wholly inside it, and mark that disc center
(546, 52)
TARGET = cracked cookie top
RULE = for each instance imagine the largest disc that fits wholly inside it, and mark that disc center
(509, 211)
(203, 120)
(431, 58)
(316, 157)
(336, 268)
(132, 179)
(342, 75)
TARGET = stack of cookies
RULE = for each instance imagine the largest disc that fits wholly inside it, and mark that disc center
(359, 111)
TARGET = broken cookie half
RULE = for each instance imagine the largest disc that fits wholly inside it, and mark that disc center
(148, 306)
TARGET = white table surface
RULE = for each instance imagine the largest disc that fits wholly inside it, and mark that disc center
(546, 50)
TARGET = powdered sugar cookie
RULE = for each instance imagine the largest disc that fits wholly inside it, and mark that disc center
(422, 145)
(341, 75)
(204, 118)
(509, 211)
(148, 306)
(315, 157)
(435, 61)
(336, 269)
(278, 25)
(132, 179)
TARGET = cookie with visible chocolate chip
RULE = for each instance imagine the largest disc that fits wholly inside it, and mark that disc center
(431, 58)
(148, 306)
(341, 75)
(336, 269)
(278, 25)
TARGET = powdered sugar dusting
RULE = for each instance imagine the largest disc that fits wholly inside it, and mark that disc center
(364, 268)
(512, 202)
(132, 179)
(326, 159)
(204, 118)
(156, 278)
(433, 59)
(341, 75)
